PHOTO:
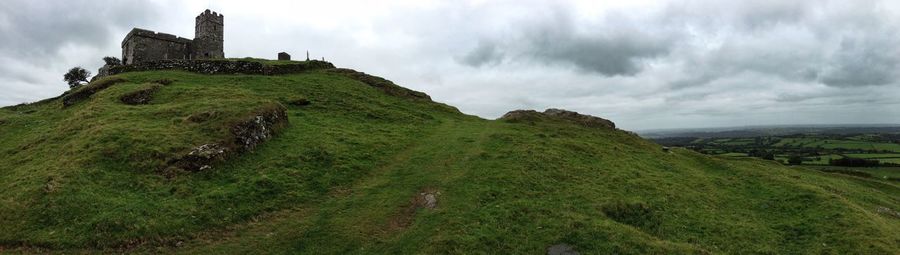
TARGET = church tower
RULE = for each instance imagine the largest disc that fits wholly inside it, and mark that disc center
(209, 36)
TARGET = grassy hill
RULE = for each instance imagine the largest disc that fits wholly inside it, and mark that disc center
(361, 168)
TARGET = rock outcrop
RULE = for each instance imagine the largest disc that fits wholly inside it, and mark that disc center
(259, 127)
(558, 114)
(583, 119)
(381, 83)
(202, 157)
(246, 134)
(141, 96)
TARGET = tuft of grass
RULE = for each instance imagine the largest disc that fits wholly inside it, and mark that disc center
(636, 214)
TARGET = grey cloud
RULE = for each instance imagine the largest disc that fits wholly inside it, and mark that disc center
(611, 55)
(742, 15)
(862, 63)
(485, 53)
(38, 29)
(842, 45)
(839, 96)
(43, 38)
(613, 48)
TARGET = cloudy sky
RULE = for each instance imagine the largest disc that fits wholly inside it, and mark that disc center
(642, 64)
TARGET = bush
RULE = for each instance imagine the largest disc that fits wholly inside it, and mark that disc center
(112, 61)
(767, 155)
(795, 160)
(76, 76)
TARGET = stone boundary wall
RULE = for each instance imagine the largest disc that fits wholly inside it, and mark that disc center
(222, 67)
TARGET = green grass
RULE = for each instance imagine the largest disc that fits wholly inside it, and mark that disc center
(270, 61)
(734, 141)
(86, 179)
(861, 145)
(849, 144)
(821, 160)
(882, 172)
(889, 160)
(790, 142)
(876, 172)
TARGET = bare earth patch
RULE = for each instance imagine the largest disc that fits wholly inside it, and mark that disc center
(425, 199)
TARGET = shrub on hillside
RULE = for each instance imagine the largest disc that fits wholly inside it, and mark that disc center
(112, 61)
(795, 160)
(76, 76)
(763, 154)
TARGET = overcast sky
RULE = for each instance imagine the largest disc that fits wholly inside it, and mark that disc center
(642, 64)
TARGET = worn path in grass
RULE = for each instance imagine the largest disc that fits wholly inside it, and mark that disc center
(353, 216)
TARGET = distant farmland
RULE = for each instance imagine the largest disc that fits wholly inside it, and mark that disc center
(875, 154)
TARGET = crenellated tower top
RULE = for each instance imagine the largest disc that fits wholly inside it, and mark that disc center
(209, 35)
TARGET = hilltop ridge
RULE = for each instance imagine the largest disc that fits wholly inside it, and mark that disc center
(335, 161)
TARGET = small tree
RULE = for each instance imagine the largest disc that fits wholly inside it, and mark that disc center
(112, 61)
(795, 160)
(76, 76)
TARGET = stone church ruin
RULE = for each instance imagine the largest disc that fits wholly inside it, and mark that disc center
(142, 45)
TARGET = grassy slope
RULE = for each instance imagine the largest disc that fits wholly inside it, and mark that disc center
(338, 178)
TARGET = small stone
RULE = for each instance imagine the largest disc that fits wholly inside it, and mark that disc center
(887, 211)
(562, 249)
(430, 201)
(208, 151)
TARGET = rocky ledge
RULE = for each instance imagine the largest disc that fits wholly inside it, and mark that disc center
(246, 134)
(581, 119)
(381, 83)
